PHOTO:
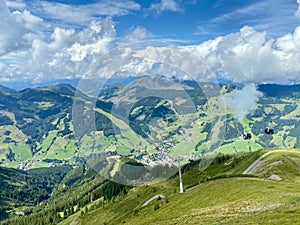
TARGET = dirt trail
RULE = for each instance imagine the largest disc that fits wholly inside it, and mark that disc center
(258, 161)
(153, 198)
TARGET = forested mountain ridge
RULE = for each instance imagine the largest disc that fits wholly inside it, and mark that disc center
(48, 195)
(23, 190)
(37, 125)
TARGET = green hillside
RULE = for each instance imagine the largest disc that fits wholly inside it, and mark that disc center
(22, 191)
(218, 195)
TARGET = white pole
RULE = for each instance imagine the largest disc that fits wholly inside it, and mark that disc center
(180, 178)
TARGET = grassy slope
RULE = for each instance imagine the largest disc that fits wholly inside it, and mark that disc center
(234, 200)
(227, 201)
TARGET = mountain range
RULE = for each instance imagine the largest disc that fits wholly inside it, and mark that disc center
(37, 126)
(67, 157)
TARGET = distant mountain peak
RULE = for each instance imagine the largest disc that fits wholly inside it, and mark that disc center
(5, 89)
(277, 90)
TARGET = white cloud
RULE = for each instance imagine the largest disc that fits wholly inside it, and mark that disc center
(64, 53)
(29, 21)
(11, 31)
(70, 52)
(62, 38)
(16, 4)
(138, 34)
(153, 59)
(35, 49)
(200, 30)
(288, 50)
(79, 52)
(166, 5)
(2, 67)
(31, 47)
(242, 102)
(249, 56)
(275, 17)
(82, 14)
(297, 14)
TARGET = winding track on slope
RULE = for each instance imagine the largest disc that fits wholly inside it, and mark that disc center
(257, 162)
(153, 198)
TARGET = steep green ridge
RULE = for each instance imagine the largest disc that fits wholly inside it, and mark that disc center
(224, 197)
(220, 194)
(47, 196)
(21, 191)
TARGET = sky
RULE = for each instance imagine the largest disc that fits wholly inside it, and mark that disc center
(253, 41)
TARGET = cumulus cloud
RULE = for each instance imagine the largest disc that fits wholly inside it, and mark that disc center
(32, 47)
(249, 56)
(11, 31)
(166, 5)
(242, 102)
(151, 58)
(179, 61)
(29, 21)
(70, 52)
(66, 53)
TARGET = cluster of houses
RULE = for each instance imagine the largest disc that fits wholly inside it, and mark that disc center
(161, 157)
(24, 166)
(28, 164)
